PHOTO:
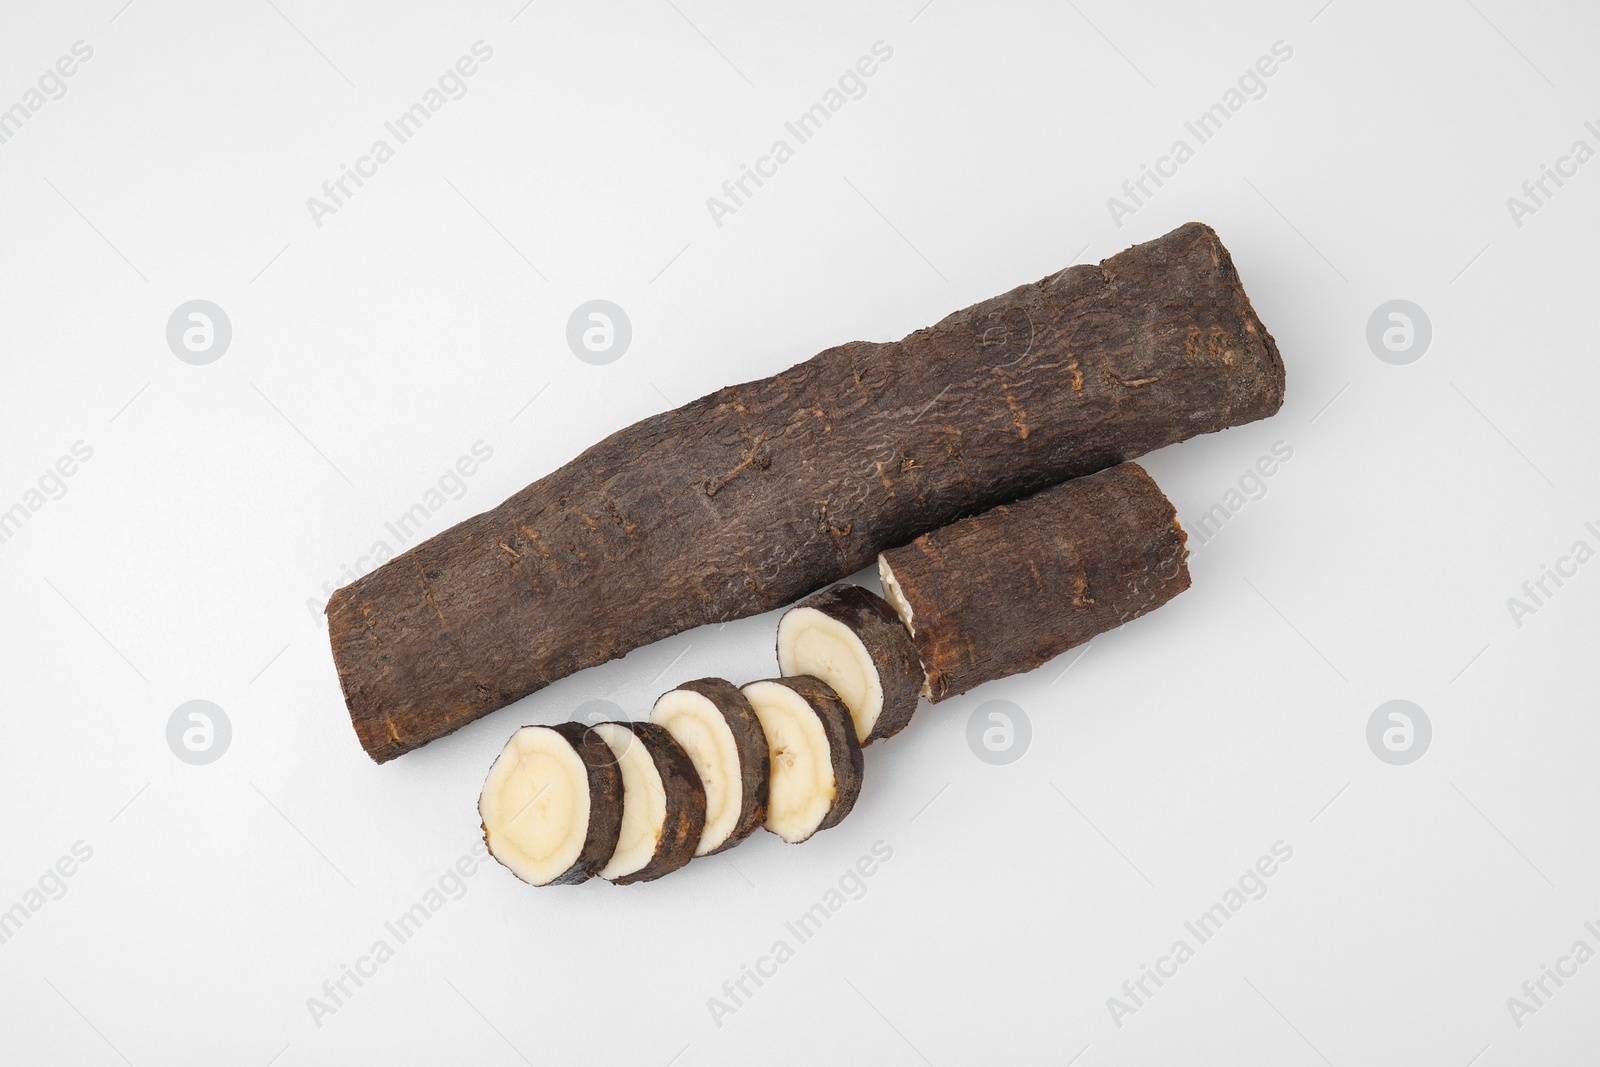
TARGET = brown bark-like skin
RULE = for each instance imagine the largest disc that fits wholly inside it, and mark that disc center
(1004, 592)
(758, 494)
(843, 749)
(878, 627)
(605, 804)
(755, 760)
(685, 817)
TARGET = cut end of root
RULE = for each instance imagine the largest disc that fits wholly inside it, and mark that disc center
(897, 600)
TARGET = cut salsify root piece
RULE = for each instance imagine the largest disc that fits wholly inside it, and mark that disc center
(852, 639)
(552, 804)
(663, 803)
(816, 759)
(1003, 592)
(722, 735)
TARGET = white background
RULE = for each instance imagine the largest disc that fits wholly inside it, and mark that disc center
(372, 351)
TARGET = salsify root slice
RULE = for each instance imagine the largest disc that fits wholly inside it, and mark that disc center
(552, 804)
(816, 759)
(663, 803)
(722, 736)
(852, 639)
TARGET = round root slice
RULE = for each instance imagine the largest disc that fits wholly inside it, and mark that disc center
(816, 759)
(852, 639)
(722, 736)
(552, 804)
(663, 803)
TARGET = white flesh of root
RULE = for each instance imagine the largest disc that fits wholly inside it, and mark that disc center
(535, 805)
(697, 724)
(644, 801)
(803, 786)
(897, 600)
(812, 642)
